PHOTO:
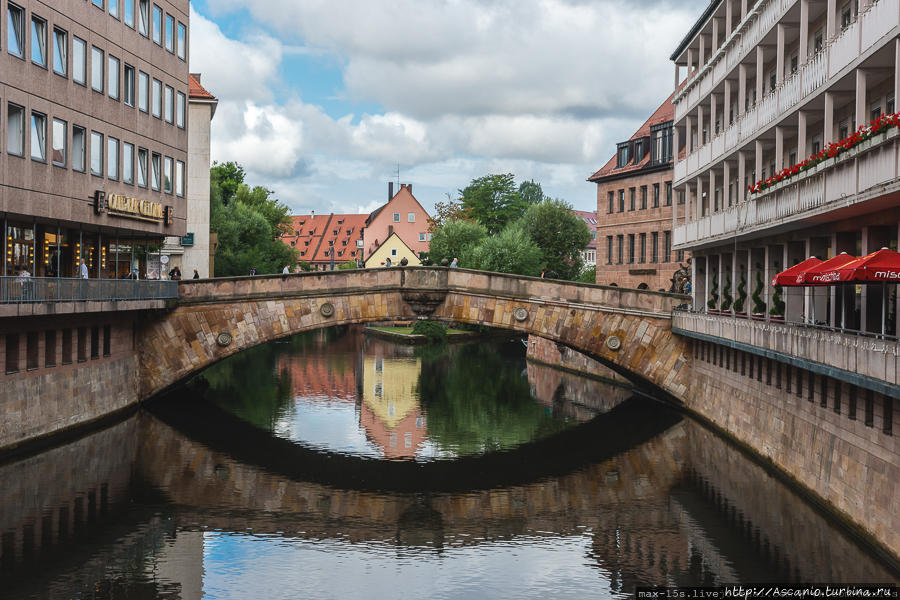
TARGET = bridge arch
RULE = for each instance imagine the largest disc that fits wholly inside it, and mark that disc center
(628, 330)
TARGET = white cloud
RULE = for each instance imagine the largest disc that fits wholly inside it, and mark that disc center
(541, 88)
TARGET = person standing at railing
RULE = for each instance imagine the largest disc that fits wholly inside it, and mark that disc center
(84, 270)
(24, 280)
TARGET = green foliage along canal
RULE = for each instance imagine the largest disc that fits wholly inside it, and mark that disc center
(336, 465)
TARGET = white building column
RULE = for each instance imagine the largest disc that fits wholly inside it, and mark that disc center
(830, 18)
(728, 18)
(742, 89)
(711, 195)
(760, 63)
(698, 209)
(897, 85)
(715, 36)
(712, 115)
(700, 140)
(801, 137)
(702, 51)
(690, 60)
(828, 134)
(677, 80)
(804, 31)
(726, 107)
(758, 161)
(742, 177)
(743, 9)
(689, 133)
(779, 149)
(726, 184)
(779, 54)
(862, 110)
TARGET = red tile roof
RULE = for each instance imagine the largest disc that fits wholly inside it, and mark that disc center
(665, 112)
(590, 218)
(197, 91)
(313, 235)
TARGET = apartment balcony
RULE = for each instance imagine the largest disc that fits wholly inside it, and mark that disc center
(868, 361)
(857, 40)
(867, 171)
(27, 296)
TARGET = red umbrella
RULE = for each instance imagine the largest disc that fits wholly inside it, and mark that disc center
(794, 275)
(881, 266)
(826, 273)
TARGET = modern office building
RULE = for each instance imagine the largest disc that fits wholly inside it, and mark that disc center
(94, 108)
(774, 106)
(634, 208)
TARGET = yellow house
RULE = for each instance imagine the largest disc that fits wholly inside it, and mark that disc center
(394, 249)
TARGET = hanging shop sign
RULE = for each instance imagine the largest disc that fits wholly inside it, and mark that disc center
(121, 205)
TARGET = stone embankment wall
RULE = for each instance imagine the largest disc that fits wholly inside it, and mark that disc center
(544, 351)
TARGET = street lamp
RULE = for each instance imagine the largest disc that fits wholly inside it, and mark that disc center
(332, 258)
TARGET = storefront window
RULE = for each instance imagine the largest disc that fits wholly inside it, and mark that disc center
(19, 249)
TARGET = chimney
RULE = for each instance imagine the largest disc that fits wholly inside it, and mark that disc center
(312, 215)
(196, 76)
(390, 229)
(409, 188)
(390, 190)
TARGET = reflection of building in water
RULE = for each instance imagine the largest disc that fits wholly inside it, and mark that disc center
(326, 370)
(390, 412)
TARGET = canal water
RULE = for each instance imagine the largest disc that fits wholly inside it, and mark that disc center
(339, 465)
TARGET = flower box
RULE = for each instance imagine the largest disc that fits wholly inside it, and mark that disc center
(758, 316)
(740, 315)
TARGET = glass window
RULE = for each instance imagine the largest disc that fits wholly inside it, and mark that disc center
(60, 52)
(396, 217)
(60, 133)
(182, 40)
(167, 179)
(98, 3)
(15, 130)
(96, 153)
(157, 98)
(128, 89)
(170, 104)
(142, 167)
(128, 163)
(113, 83)
(155, 173)
(15, 28)
(411, 218)
(179, 178)
(157, 24)
(79, 60)
(38, 137)
(179, 110)
(170, 33)
(38, 41)
(128, 12)
(78, 139)
(143, 91)
(114, 8)
(96, 68)
(144, 17)
(112, 158)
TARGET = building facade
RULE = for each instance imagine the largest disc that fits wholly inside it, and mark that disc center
(326, 241)
(92, 178)
(403, 215)
(589, 254)
(634, 209)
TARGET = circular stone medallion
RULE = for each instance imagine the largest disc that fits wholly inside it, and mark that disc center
(224, 339)
(327, 309)
(613, 343)
(520, 314)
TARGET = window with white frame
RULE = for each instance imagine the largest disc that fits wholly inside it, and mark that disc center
(79, 138)
(167, 175)
(421, 237)
(112, 158)
(411, 217)
(38, 136)
(179, 178)
(96, 69)
(113, 82)
(170, 104)
(60, 142)
(15, 30)
(396, 217)
(143, 91)
(15, 130)
(142, 164)
(128, 163)
(60, 52)
(79, 60)
(155, 170)
(38, 41)
(156, 98)
(393, 252)
(96, 153)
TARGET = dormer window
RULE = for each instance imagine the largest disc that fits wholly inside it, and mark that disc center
(622, 159)
(638, 150)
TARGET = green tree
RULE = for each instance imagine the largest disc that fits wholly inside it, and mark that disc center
(560, 235)
(531, 193)
(445, 212)
(513, 251)
(589, 275)
(454, 239)
(248, 225)
(493, 201)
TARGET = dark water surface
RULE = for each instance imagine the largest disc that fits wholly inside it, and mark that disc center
(335, 465)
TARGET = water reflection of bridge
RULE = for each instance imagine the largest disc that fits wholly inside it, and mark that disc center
(680, 506)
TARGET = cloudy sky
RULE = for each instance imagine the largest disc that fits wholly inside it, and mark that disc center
(321, 100)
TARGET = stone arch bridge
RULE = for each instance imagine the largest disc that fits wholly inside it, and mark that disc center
(627, 330)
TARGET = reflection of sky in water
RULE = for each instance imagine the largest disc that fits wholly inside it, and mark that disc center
(238, 565)
(327, 425)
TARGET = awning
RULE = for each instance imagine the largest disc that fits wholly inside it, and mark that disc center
(794, 275)
(826, 273)
(882, 266)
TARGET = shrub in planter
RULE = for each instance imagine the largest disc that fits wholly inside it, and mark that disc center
(713, 301)
(759, 307)
(741, 292)
(777, 309)
(726, 293)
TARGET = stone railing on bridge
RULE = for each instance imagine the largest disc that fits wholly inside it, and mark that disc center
(629, 329)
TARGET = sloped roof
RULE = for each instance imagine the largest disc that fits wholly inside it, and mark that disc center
(663, 114)
(197, 91)
(389, 238)
(319, 230)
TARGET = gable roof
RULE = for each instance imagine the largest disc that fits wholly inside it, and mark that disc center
(389, 238)
(319, 230)
(403, 186)
(197, 91)
(663, 114)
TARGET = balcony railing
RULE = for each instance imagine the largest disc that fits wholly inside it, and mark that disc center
(871, 164)
(872, 356)
(853, 41)
(22, 290)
